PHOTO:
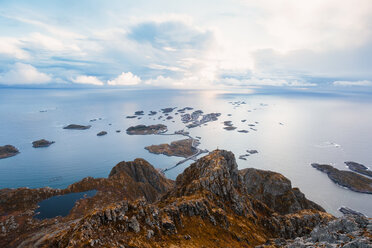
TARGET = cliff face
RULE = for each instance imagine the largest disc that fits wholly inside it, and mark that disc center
(275, 191)
(211, 204)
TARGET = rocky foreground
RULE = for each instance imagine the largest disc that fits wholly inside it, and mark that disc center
(211, 204)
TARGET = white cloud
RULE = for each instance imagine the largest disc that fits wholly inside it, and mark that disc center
(165, 67)
(160, 81)
(257, 43)
(87, 80)
(47, 42)
(353, 83)
(11, 47)
(125, 78)
(24, 74)
(266, 82)
(316, 24)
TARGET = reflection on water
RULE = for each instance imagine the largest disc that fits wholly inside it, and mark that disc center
(60, 205)
(289, 131)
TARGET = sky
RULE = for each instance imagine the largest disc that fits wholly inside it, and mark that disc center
(204, 44)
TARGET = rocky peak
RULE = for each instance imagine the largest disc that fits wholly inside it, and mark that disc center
(216, 175)
(219, 164)
(141, 171)
(275, 191)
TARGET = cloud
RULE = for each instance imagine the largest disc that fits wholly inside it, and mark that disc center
(87, 80)
(24, 74)
(125, 78)
(41, 41)
(318, 25)
(11, 47)
(277, 82)
(240, 43)
(170, 35)
(353, 83)
(160, 81)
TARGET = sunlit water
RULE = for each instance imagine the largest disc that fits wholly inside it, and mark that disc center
(314, 128)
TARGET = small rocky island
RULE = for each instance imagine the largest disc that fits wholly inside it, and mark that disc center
(77, 127)
(102, 133)
(8, 151)
(180, 148)
(42, 143)
(144, 130)
(359, 168)
(348, 179)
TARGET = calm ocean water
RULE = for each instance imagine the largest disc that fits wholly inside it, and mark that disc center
(314, 128)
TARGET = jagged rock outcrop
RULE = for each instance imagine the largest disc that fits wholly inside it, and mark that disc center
(211, 204)
(275, 191)
(350, 231)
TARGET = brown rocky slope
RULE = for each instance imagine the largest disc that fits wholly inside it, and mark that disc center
(211, 204)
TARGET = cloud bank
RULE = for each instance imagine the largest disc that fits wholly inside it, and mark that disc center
(204, 45)
(24, 74)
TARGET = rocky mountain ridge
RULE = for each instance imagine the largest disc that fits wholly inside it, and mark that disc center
(211, 204)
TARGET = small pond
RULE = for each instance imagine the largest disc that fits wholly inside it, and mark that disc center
(60, 205)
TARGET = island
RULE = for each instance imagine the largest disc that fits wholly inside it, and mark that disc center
(140, 112)
(229, 128)
(8, 151)
(77, 127)
(144, 130)
(359, 168)
(42, 143)
(180, 148)
(349, 211)
(167, 110)
(102, 133)
(184, 109)
(348, 179)
(194, 118)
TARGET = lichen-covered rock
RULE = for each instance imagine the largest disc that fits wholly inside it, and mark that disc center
(348, 231)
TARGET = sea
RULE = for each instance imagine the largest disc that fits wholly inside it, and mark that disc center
(289, 130)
